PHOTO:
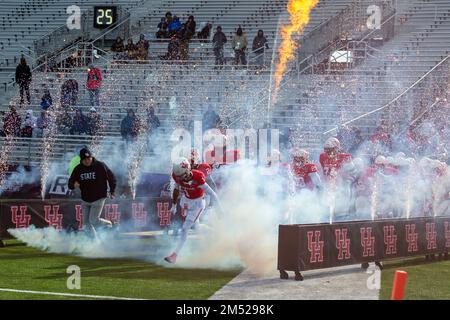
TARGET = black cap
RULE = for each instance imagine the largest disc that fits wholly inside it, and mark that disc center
(85, 153)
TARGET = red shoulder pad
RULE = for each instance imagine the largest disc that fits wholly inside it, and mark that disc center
(198, 177)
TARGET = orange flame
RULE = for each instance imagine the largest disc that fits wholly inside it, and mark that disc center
(299, 11)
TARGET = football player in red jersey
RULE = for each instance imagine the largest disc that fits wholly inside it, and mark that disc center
(333, 161)
(305, 173)
(191, 187)
(339, 174)
(194, 159)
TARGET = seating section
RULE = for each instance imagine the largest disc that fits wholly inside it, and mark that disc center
(326, 101)
(181, 91)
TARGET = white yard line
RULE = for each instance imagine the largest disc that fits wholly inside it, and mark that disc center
(67, 294)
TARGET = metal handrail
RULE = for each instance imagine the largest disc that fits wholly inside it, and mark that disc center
(393, 100)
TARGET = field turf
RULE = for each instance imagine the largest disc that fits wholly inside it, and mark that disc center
(25, 268)
(426, 280)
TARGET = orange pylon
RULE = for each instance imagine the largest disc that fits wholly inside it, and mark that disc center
(398, 288)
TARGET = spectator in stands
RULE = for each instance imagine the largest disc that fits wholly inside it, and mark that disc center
(131, 50)
(173, 48)
(69, 93)
(64, 122)
(239, 45)
(94, 122)
(210, 119)
(142, 48)
(190, 27)
(41, 124)
(205, 31)
(169, 17)
(12, 123)
(46, 100)
(183, 40)
(93, 84)
(174, 26)
(29, 124)
(79, 123)
(258, 48)
(23, 79)
(162, 29)
(219, 40)
(153, 122)
(129, 127)
(118, 48)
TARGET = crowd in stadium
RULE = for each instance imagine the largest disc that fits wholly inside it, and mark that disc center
(180, 34)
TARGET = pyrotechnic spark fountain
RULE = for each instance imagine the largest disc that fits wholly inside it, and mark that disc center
(135, 162)
(299, 11)
(408, 195)
(374, 198)
(332, 203)
(4, 156)
(48, 140)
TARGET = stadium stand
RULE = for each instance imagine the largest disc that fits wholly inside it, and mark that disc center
(180, 91)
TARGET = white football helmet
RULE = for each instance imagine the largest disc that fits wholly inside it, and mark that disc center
(380, 161)
(400, 155)
(390, 160)
(181, 168)
(425, 162)
(301, 156)
(332, 147)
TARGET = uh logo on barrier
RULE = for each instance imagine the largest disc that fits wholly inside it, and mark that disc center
(52, 215)
(307, 247)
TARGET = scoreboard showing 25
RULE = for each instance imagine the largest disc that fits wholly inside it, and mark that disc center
(104, 16)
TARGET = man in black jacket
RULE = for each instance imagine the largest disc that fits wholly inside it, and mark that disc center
(92, 177)
(23, 79)
(219, 41)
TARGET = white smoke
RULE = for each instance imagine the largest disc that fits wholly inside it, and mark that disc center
(17, 179)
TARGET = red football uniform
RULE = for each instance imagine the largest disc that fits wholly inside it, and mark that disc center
(301, 175)
(191, 188)
(331, 167)
(205, 168)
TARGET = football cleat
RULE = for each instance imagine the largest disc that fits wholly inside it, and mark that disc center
(172, 258)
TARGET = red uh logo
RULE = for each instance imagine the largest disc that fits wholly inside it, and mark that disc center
(315, 247)
(53, 217)
(367, 242)
(139, 215)
(342, 244)
(112, 213)
(411, 237)
(447, 234)
(21, 220)
(79, 216)
(430, 232)
(163, 213)
(390, 239)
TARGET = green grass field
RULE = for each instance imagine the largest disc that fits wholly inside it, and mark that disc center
(426, 280)
(29, 269)
(25, 268)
